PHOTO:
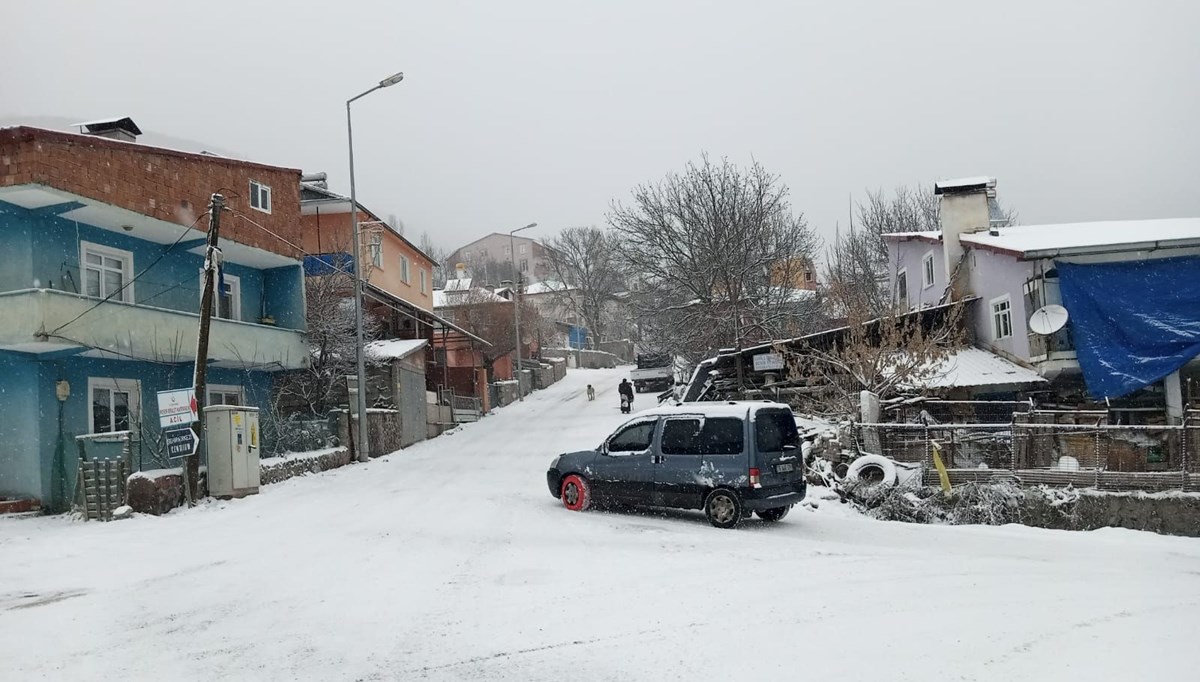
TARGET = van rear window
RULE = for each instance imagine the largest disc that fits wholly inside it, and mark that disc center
(722, 436)
(774, 429)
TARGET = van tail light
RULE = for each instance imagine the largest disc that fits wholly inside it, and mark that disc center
(755, 479)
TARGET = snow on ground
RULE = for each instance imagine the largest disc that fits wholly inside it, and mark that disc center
(450, 560)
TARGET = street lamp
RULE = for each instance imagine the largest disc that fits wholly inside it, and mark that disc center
(358, 288)
(512, 259)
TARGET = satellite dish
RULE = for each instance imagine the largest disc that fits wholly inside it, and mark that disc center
(1048, 319)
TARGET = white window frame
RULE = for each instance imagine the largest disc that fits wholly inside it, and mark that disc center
(259, 190)
(235, 293)
(126, 258)
(902, 291)
(808, 276)
(928, 271)
(522, 249)
(424, 282)
(508, 251)
(405, 275)
(998, 316)
(376, 248)
(524, 265)
(131, 386)
(225, 389)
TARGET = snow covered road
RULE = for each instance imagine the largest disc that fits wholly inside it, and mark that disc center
(450, 560)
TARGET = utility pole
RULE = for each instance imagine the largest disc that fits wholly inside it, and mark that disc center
(200, 379)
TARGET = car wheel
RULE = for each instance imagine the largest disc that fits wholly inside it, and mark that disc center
(723, 508)
(575, 493)
(772, 515)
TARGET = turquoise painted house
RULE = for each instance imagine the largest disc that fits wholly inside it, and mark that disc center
(102, 242)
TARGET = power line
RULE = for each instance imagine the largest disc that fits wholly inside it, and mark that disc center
(335, 268)
(136, 277)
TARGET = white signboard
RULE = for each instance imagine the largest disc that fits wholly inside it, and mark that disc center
(764, 362)
(177, 408)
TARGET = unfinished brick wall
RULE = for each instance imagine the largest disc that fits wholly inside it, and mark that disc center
(162, 183)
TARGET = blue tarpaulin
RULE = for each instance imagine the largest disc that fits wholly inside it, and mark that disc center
(1133, 322)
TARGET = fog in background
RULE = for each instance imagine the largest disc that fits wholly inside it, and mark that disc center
(522, 111)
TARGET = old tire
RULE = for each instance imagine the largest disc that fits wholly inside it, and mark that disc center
(773, 515)
(575, 493)
(723, 508)
(875, 470)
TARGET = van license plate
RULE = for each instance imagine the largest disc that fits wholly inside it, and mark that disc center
(785, 468)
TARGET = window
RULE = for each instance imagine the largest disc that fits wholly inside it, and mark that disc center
(633, 438)
(377, 250)
(106, 272)
(774, 429)
(927, 270)
(521, 249)
(225, 395)
(115, 404)
(902, 290)
(467, 256)
(524, 265)
(1001, 317)
(260, 197)
(424, 282)
(404, 275)
(808, 276)
(691, 436)
(227, 304)
(508, 251)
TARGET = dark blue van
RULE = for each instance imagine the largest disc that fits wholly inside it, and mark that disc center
(729, 459)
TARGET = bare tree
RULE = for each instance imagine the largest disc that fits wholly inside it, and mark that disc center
(857, 271)
(490, 317)
(886, 355)
(587, 260)
(439, 256)
(332, 343)
(714, 249)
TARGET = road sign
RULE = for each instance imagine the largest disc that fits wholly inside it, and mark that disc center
(177, 407)
(181, 442)
(767, 361)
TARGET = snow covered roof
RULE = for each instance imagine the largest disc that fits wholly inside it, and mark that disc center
(393, 349)
(450, 298)
(977, 367)
(732, 408)
(1048, 241)
(963, 184)
(460, 284)
(546, 287)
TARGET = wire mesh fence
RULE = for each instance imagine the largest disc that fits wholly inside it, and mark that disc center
(1079, 448)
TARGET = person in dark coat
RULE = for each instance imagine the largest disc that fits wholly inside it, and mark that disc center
(626, 391)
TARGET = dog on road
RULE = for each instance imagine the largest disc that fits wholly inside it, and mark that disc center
(591, 392)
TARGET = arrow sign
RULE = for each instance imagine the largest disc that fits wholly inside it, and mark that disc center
(181, 442)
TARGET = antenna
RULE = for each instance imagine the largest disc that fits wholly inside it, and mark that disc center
(1048, 319)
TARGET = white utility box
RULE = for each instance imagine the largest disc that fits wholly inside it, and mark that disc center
(232, 436)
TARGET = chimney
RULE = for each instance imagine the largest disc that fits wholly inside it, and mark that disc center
(123, 129)
(315, 179)
(963, 209)
(460, 271)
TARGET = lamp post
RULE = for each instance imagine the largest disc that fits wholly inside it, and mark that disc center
(358, 288)
(512, 259)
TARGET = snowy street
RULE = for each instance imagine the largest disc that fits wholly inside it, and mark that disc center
(450, 560)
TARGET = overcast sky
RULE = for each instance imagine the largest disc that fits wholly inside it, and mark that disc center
(521, 111)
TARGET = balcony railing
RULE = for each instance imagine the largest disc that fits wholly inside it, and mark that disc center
(44, 320)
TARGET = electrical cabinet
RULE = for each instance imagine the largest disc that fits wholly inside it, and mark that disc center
(232, 437)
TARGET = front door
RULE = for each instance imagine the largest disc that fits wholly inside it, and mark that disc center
(624, 472)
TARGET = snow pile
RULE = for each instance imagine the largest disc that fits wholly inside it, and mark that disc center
(452, 561)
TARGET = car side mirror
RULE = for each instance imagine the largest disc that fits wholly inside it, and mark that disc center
(604, 448)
